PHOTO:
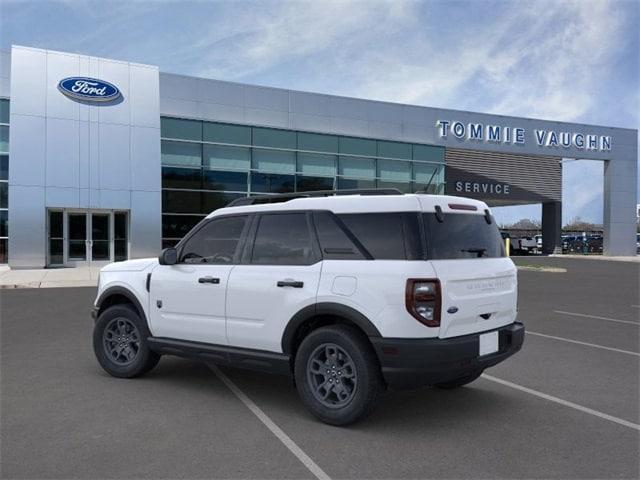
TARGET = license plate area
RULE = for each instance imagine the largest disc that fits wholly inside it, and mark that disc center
(488, 343)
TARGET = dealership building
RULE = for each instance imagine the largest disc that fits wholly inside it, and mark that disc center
(103, 160)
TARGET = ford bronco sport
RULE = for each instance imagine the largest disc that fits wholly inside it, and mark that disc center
(347, 292)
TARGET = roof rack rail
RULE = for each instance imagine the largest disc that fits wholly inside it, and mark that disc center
(284, 197)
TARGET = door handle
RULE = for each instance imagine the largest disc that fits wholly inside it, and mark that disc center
(209, 280)
(291, 283)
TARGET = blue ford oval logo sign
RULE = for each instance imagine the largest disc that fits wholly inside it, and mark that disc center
(89, 89)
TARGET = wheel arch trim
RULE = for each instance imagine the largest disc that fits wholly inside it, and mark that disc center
(329, 309)
(125, 292)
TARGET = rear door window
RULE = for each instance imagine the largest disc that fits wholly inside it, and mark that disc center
(462, 235)
(283, 239)
(386, 236)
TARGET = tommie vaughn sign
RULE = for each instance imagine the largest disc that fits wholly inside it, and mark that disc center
(88, 89)
(516, 135)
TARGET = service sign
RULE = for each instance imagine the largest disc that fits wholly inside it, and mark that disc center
(463, 183)
(88, 89)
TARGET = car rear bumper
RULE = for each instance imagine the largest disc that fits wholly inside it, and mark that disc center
(411, 363)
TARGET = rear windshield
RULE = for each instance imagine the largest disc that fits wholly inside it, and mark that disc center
(462, 235)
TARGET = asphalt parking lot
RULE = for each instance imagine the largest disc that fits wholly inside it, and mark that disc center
(567, 406)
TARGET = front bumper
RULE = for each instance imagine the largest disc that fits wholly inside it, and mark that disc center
(415, 362)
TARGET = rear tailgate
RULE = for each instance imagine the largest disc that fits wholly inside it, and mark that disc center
(478, 294)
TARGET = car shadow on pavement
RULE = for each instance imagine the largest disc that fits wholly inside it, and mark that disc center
(396, 410)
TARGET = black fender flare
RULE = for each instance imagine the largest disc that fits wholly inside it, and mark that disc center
(125, 292)
(326, 308)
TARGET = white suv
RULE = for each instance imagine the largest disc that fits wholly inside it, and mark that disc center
(348, 293)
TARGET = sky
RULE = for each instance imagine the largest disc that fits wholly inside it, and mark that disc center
(574, 61)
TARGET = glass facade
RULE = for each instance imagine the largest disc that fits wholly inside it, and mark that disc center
(4, 180)
(205, 165)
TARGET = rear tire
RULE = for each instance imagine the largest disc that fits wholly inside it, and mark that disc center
(459, 382)
(120, 342)
(337, 375)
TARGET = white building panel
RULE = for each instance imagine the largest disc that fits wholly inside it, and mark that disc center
(115, 199)
(215, 91)
(145, 152)
(28, 81)
(223, 113)
(59, 66)
(63, 153)
(115, 162)
(118, 74)
(269, 118)
(62, 197)
(27, 235)
(265, 98)
(144, 96)
(27, 142)
(309, 103)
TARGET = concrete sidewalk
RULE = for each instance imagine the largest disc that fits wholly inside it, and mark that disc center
(49, 277)
(634, 259)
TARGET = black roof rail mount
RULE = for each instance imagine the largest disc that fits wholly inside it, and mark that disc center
(285, 197)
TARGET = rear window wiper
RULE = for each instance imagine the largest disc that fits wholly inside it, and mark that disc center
(479, 251)
(439, 216)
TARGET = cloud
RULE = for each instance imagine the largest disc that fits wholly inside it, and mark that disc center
(272, 34)
(539, 59)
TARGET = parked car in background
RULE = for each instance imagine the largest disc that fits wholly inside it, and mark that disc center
(523, 245)
(582, 244)
(538, 247)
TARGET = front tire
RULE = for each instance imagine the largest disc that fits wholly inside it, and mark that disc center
(337, 375)
(120, 343)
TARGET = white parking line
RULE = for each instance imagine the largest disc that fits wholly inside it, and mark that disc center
(594, 345)
(270, 424)
(637, 324)
(566, 403)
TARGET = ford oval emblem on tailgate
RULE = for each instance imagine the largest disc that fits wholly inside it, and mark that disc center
(452, 309)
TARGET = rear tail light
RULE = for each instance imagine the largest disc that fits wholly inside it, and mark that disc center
(423, 301)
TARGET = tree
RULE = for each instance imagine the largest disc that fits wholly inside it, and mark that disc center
(578, 225)
(524, 224)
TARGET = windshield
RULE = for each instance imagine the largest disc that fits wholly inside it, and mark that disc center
(462, 235)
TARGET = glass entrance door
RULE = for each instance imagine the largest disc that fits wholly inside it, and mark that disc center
(87, 237)
(77, 237)
(100, 237)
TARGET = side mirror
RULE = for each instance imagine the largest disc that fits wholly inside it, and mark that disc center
(169, 256)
